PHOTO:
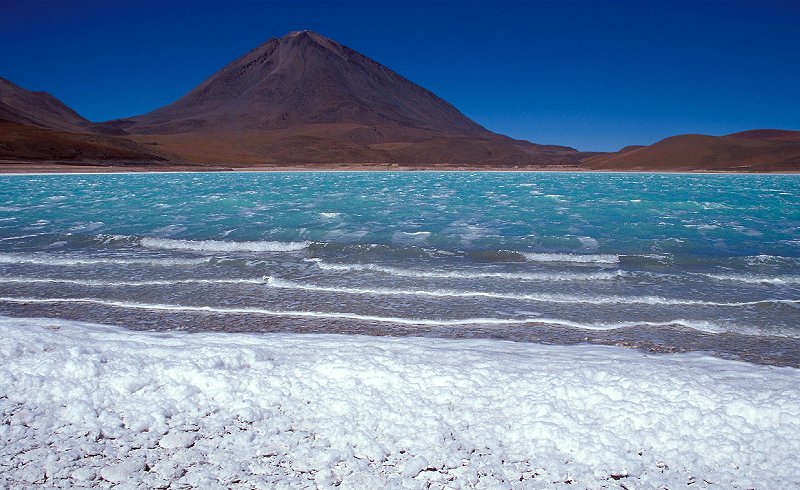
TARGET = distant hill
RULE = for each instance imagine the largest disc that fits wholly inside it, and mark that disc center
(42, 109)
(29, 143)
(37, 108)
(306, 98)
(37, 127)
(756, 150)
(768, 135)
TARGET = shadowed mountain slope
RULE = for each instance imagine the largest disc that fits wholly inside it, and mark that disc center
(29, 143)
(42, 109)
(37, 127)
(37, 108)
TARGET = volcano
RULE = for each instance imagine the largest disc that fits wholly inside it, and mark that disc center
(304, 98)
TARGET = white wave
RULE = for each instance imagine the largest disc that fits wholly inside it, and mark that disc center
(572, 258)
(411, 236)
(54, 260)
(330, 215)
(691, 324)
(769, 259)
(86, 227)
(702, 226)
(222, 246)
(440, 274)
(171, 229)
(105, 239)
(588, 242)
(155, 282)
(20, 237)
(754, 279)
(540, 298)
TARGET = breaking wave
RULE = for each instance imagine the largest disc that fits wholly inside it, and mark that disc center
(690, 324)
(222, 246)
(754, 279)
(443, 274)
(572, 258)
(154, 282)
(541, 298)
(55, 260)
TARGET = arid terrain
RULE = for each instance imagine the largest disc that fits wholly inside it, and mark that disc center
(304, 101)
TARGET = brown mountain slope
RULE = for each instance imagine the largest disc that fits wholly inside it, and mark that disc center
(37, 108)
(29, 143)
(42, 109)
(759, 150)
(768, 135)
(37, 127)
(305, 98)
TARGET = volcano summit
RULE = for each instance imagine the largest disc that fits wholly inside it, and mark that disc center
(305, 98)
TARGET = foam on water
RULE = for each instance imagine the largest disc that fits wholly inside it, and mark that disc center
(771, 259)
(20, 237)
(755, 279)
(572, 258)
(469, 274)
(707, 327)
(66, 261)
(222, 246)
(153, 282)
(541, 298)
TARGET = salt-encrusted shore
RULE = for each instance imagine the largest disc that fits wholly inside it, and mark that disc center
(90, 405)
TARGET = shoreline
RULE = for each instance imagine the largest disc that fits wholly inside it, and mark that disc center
(68, 169)
(670, 338)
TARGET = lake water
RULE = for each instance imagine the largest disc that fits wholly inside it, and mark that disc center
(662, 262)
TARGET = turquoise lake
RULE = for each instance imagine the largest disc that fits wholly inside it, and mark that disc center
(662, 262)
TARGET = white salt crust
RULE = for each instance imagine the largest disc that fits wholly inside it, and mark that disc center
(94, 406)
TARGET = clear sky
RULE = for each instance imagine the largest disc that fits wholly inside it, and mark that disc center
(592, 75)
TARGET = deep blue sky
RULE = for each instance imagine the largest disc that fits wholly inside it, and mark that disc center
(592, 75)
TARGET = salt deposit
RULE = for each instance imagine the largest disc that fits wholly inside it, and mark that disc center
(89, 405)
